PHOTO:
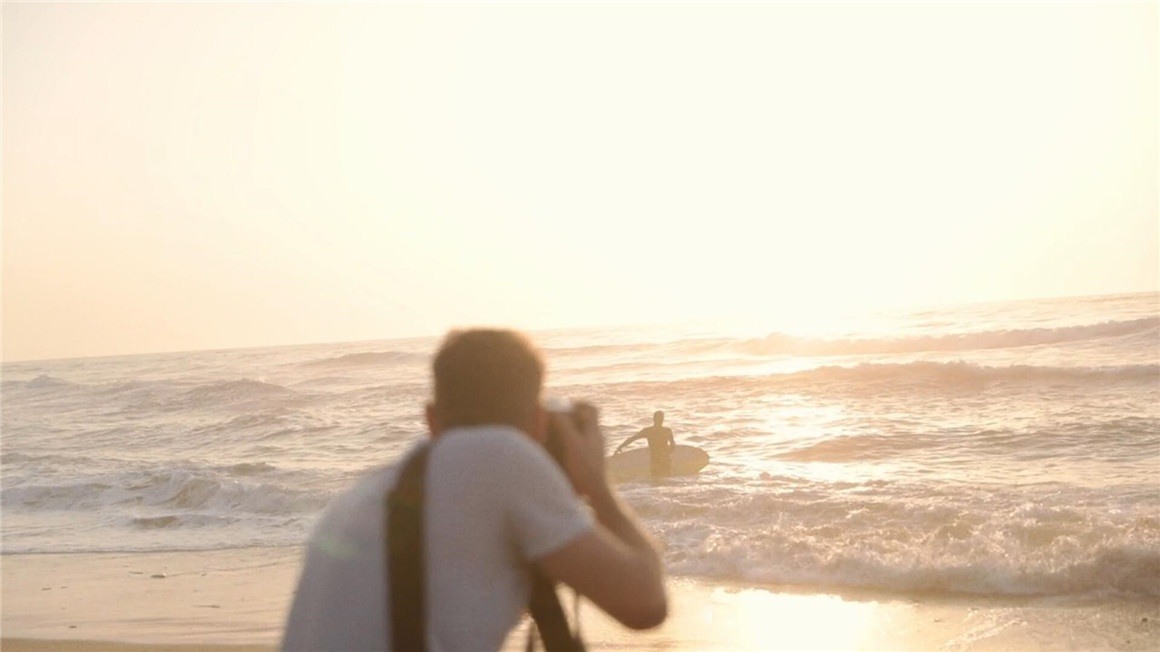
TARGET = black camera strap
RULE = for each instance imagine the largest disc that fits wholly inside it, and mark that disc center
(403, 555)
(405, 564)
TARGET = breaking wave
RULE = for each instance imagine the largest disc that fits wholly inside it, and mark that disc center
(184, 490)
(945, 543)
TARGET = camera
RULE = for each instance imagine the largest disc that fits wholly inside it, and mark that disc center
(554, 442)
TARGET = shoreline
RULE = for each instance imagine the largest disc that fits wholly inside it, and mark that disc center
(236, 601)
(66, 645)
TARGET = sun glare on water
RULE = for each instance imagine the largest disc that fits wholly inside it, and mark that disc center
(763, 620)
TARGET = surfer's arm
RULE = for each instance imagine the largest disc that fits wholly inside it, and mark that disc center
(628, 441)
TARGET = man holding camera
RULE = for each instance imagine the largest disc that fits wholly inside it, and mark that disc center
(496, 514)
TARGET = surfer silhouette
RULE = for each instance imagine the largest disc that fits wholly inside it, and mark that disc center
(660, 445)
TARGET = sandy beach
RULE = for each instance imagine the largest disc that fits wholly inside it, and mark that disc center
(236, 600)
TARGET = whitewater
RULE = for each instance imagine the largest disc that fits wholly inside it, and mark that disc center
(998, 449)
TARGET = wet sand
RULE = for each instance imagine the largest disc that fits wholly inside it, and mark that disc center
(236, 600)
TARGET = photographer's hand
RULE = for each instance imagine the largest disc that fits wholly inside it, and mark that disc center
(584, 443)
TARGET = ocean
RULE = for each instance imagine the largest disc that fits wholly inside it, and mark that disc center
(1005, 449)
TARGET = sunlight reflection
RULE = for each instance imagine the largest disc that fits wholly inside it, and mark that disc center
(763, 620)
(704, 616)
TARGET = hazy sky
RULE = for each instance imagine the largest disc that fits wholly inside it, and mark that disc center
(187, 176)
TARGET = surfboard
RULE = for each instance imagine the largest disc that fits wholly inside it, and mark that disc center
(634, 464)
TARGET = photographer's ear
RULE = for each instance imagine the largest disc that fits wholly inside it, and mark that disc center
(540, 425)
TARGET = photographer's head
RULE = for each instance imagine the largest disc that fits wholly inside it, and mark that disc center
(486, 376)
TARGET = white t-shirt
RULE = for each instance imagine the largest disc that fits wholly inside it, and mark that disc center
(495, 501)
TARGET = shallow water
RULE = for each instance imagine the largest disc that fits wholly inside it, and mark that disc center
(993, 449)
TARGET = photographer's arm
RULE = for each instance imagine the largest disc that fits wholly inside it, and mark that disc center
(616, 565)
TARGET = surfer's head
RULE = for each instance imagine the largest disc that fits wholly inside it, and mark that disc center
(486, 376)
(658, 418)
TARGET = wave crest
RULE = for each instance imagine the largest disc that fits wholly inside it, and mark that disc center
(965, 372)
(780, 343)
(923, 376)
(366, 358)
(40, 382)
(245, 389)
